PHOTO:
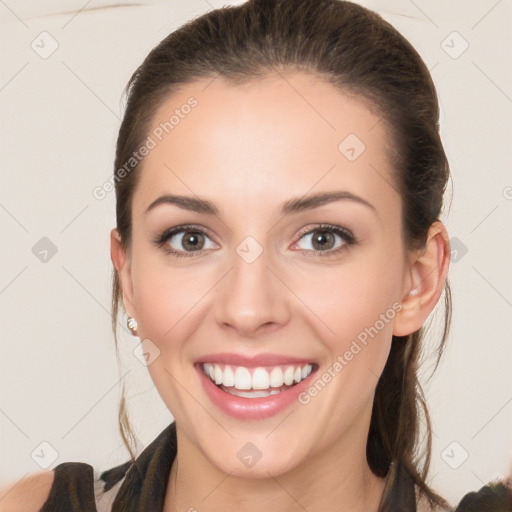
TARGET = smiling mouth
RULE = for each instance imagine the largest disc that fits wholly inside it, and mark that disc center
(256, 382)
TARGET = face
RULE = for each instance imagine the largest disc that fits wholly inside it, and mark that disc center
(270, 288)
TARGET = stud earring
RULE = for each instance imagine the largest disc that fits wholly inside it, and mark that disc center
(132, 324)
(413, 292)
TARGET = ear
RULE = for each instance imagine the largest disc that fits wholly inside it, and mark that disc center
(121, 260)
(426, 278)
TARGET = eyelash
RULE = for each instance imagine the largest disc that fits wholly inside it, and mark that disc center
(345, 234)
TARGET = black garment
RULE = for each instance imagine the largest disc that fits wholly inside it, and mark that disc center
(141, 486)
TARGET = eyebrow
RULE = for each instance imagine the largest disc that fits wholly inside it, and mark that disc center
(295, 205)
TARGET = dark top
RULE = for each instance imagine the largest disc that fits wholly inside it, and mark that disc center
(141, 486)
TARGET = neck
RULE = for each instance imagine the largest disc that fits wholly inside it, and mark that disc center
(337, 479)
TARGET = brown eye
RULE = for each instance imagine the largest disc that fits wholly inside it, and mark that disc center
(322, 240)
(187, 240)
(192, 240)
(184, 241)
(327, 239)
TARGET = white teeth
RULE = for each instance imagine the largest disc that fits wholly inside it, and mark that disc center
(260, 379)
(229, 377)
(276, 377)
(251, 394)
(240, 378)
(289, 375)
(218, 374)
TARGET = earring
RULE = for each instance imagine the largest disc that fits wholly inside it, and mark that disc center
(132, 324)
(413, 292)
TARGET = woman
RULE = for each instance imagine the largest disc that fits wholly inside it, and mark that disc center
(279, 178)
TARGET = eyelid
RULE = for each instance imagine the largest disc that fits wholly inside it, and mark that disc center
(344, 233)
(161, 239)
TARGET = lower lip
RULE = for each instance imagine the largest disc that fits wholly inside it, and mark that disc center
(252, 408)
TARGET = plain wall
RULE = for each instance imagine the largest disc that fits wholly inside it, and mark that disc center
(59, 379)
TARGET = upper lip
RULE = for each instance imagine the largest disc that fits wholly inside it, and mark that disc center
(254, 360)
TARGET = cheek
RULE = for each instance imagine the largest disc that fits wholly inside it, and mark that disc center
(163, 295)
(358, 305)
(171, 298)
(162, 304)
(355, 298)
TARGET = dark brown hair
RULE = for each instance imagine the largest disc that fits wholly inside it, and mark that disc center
(357, 51)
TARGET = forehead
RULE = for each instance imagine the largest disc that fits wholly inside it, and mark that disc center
(267, 139)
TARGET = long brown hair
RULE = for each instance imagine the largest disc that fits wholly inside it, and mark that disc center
(357, 51)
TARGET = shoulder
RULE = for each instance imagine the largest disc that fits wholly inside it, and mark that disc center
(27, 494)
(70, 486)
(496, 496)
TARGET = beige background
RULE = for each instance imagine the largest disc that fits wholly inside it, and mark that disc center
(59, 381)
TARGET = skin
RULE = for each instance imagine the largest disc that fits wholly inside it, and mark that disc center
(248, 149)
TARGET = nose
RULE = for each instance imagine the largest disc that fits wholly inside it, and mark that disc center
(252, 299)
